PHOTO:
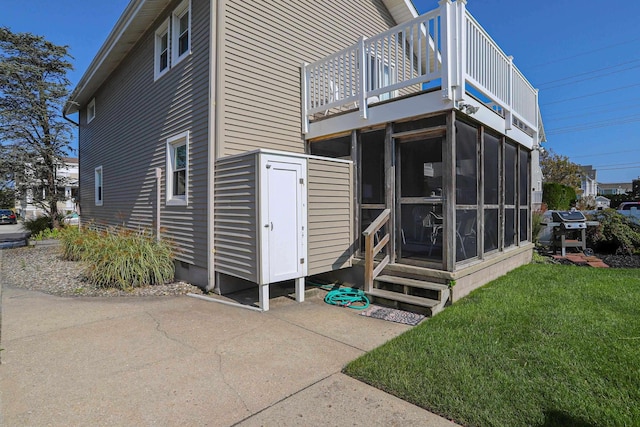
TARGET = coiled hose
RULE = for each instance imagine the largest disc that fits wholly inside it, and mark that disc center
(344, 297)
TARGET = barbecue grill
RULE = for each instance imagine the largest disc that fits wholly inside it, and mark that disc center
(569, 220)
(569, 230)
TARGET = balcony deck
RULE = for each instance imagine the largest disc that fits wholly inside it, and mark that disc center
(440, 60)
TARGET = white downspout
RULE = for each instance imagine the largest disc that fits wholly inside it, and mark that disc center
(158, 194)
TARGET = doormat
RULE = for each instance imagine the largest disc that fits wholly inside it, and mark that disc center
(393, 315)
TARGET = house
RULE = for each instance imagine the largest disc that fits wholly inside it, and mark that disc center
(67, 174)
(602, 202)
(273, 141)
(614, 188)
(588, 181)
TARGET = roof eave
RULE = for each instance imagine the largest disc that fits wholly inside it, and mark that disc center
(132, 24)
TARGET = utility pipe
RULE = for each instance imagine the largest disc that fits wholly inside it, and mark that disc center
(158, 194)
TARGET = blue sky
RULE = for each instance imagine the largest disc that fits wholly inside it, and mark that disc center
(583, 56)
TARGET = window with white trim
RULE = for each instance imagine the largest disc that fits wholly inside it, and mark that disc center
(161, 65)
(91, 110)
(177, 178)
(98, 186)
(180, 32)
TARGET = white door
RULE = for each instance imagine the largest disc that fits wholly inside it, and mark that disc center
(285, 219)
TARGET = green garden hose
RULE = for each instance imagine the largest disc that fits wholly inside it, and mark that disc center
(348, 297)
(343, 297)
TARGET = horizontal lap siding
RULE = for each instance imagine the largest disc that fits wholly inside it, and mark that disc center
(264, 45)
(236, 232)
(134, 117)
(330, 218)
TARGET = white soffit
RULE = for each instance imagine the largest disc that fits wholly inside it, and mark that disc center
(402, 10)
(132, 24)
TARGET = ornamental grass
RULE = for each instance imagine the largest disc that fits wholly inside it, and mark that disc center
(119, 257)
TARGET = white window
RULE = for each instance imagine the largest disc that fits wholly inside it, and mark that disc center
(91, 110)
(180, 32)
(98, 186)
(162, 50)
(178, 169)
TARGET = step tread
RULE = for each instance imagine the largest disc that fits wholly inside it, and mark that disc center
(409, 299)
(412, 282)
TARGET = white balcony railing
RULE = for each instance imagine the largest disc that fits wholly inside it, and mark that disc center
(446, 46)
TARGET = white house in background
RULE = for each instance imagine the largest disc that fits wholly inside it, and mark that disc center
(614, 188)
(69, 173)
(602, 202)
(589, 184)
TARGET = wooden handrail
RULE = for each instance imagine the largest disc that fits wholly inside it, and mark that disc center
(371, 250)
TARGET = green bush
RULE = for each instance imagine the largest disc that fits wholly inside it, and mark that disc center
(48, 233)
(558, 196)
(38, 225)
(119, 257)
(616, 233)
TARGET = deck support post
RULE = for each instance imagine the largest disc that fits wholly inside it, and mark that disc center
(304, 85)
(362, 79)
(263, 291)
(300, 289)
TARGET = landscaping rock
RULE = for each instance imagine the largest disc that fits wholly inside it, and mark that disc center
(41, 268)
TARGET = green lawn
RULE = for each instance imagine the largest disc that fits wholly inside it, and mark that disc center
(544, 345)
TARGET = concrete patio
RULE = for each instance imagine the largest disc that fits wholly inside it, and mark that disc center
(182, 361)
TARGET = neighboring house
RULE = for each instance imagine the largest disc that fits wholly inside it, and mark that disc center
(602, 202)
(614, 189)
(68, 174)
(588, 183)
(276, 143)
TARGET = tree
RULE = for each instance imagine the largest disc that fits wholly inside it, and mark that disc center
(34, 134)
(559, 169)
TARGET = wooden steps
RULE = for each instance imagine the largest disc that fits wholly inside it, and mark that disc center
(410, 294)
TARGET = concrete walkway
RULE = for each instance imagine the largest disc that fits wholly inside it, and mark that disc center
(180, 361)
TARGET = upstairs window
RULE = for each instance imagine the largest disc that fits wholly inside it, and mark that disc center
(98, 186)
(162, 50)
(177, 169)
(91, 110)
(181, 32)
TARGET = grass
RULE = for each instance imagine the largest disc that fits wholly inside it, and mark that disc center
(545, 345)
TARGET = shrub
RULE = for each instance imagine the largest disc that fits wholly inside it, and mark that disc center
(48, 233)
(616, 233)
(38, 225)
(558, 196)
(119, 257)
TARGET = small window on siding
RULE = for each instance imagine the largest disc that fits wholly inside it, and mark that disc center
(162, 50)
(91, 110)
(98, 186)
(181, 32)
(178, 169)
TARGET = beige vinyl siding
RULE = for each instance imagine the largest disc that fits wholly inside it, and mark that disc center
(264, 45)
(134, 117)
(330, 219)
(236, 215)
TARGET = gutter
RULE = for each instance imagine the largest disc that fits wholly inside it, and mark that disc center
(64, 116)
